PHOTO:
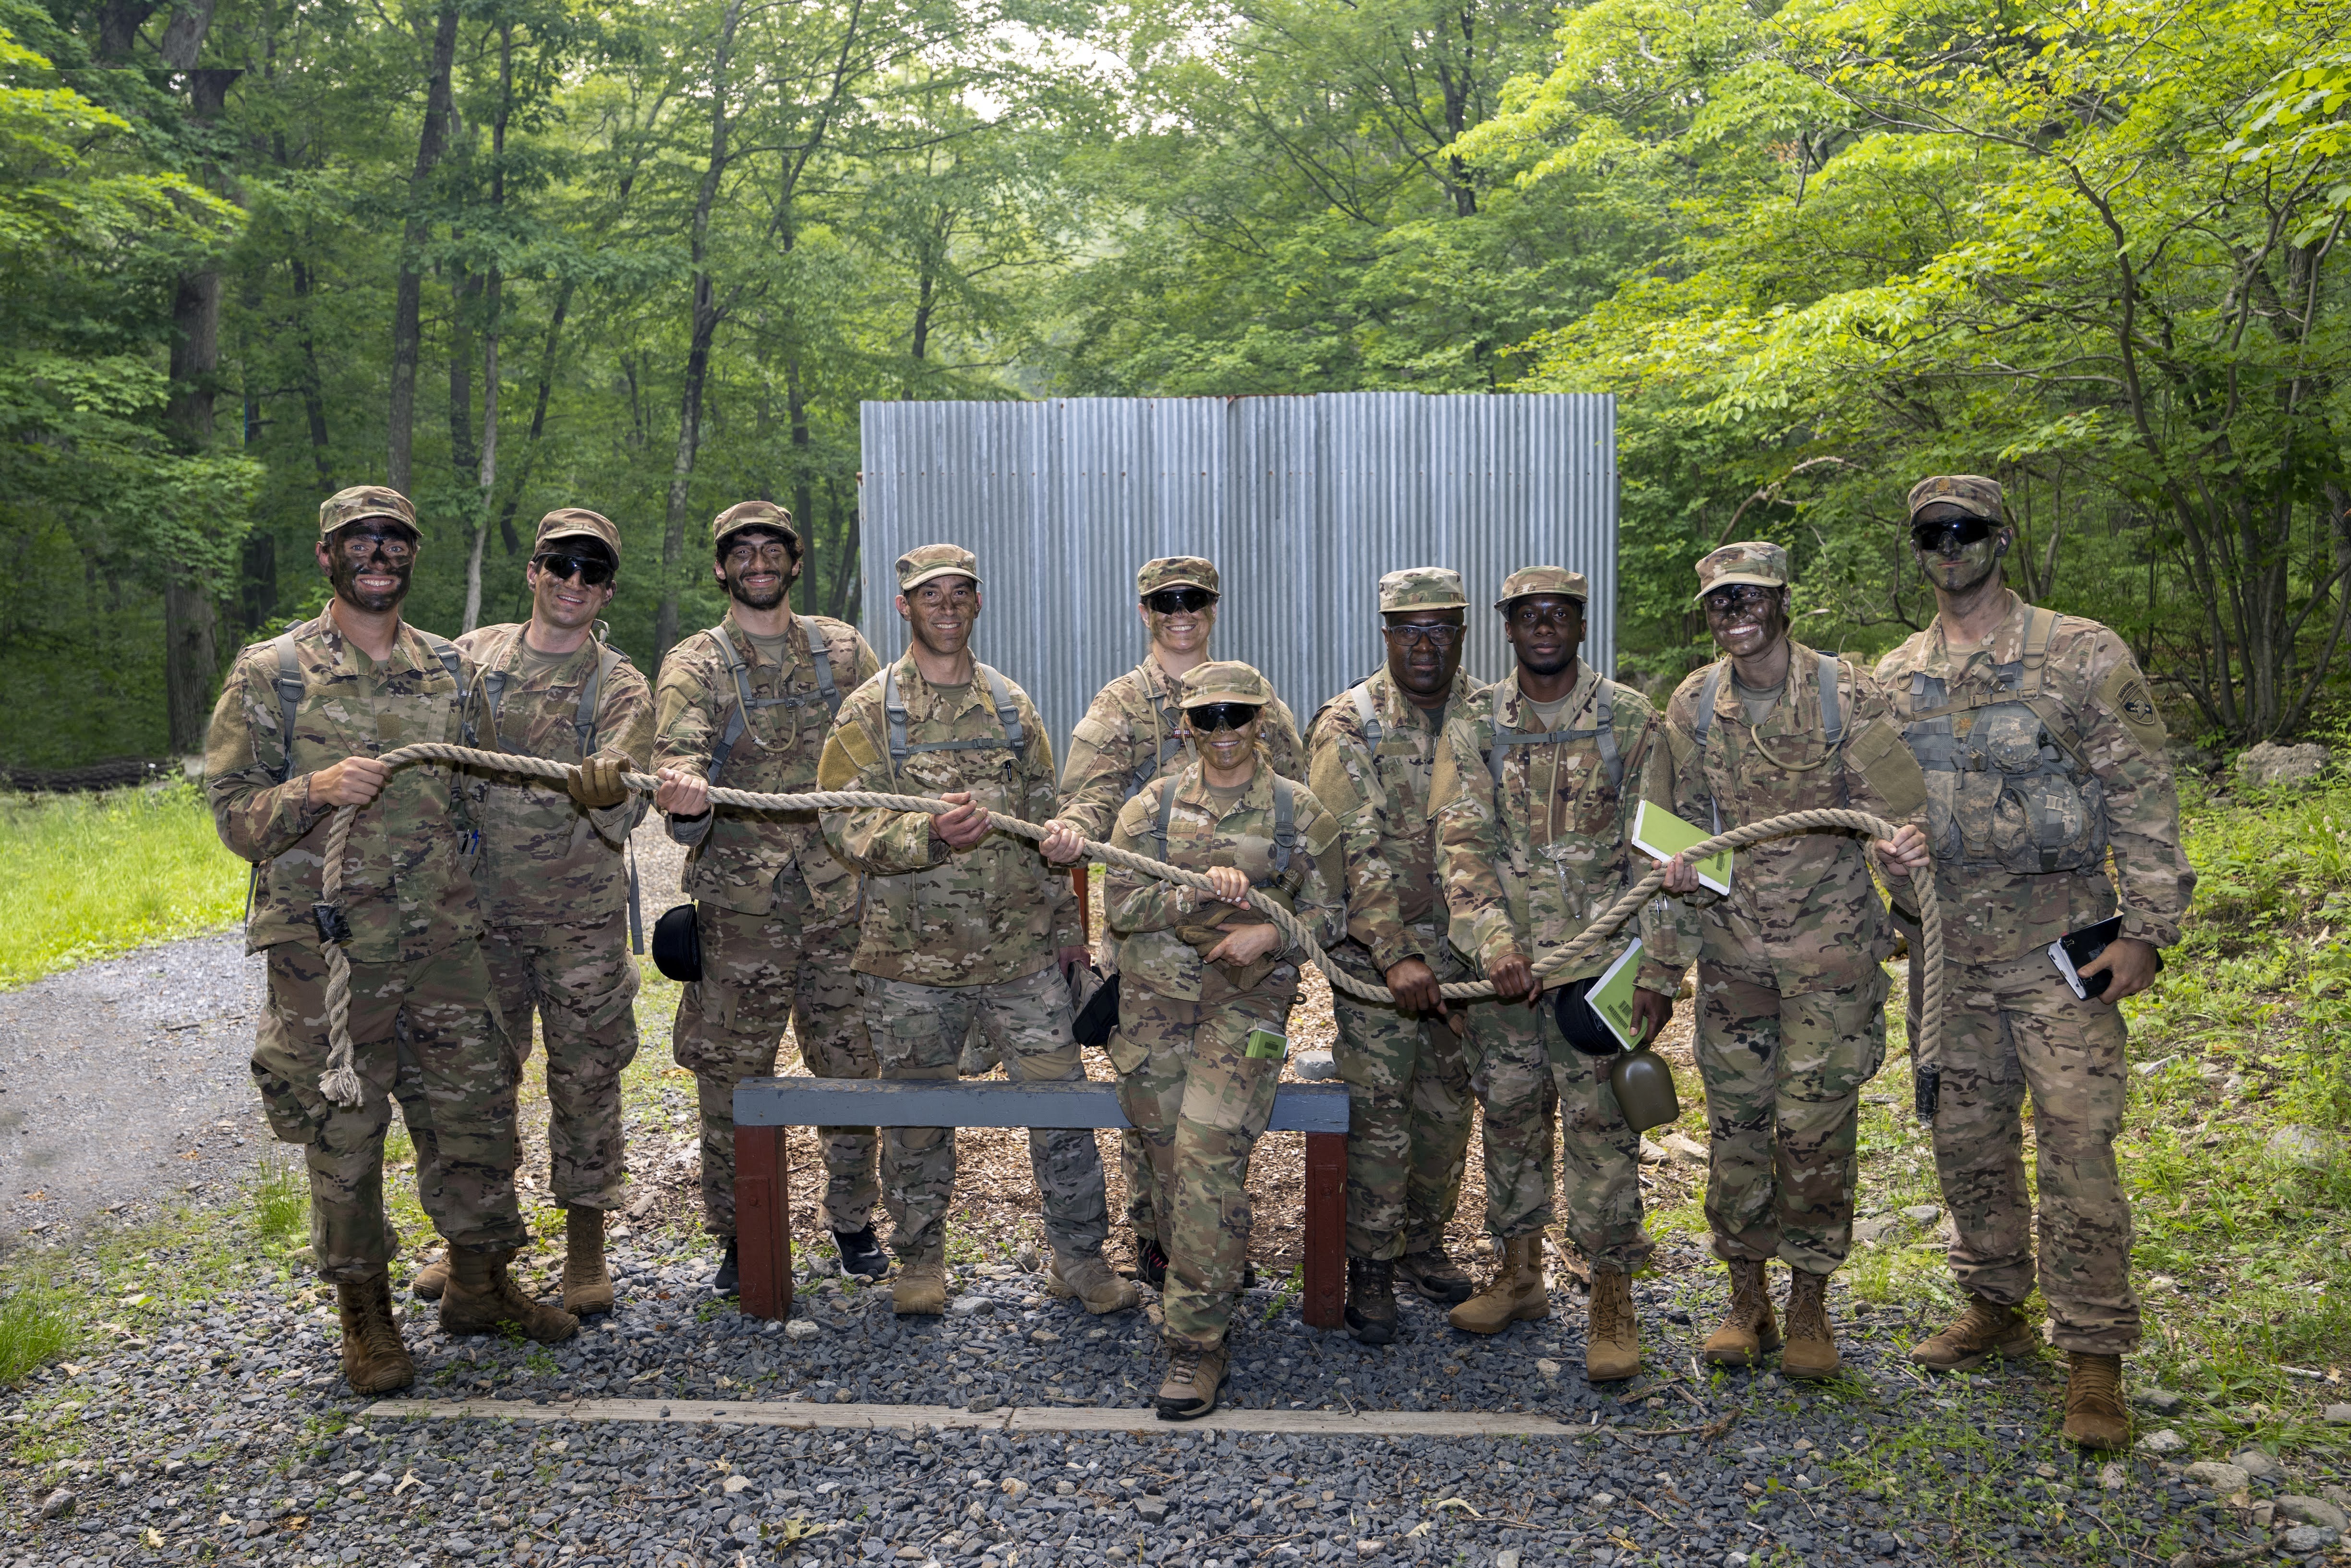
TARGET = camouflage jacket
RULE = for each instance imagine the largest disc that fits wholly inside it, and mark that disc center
(1134, 732)
(406, 892)
(542, 858)
(1554, 806)
(995, 912)
(735, 858)
(1168, 930)
(1803, 906)
(1379, 792)
(2092, 717)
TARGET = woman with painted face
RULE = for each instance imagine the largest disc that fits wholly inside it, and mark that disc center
(1791, 984)
(1204, 1009)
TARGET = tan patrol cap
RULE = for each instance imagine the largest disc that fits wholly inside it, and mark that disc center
(1970, 493)
(1423, 588)
(1175, 571)
(578, 523)
(360, 502)
(1226, 681)
(1528, 581)
(754, 514)
(1757, 561)
(923, 562)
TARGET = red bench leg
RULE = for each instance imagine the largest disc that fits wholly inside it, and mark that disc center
(763, 1221)
(1325, 1302)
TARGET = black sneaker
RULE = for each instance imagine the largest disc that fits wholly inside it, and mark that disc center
(860, 1254)
(1150, 1262)
(730, 1272)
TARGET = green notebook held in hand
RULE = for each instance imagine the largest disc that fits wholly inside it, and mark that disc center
(1264, 1045)
(1611, 995)
(1662, 835)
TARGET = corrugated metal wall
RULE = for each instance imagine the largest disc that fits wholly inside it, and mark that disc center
(1303, 503)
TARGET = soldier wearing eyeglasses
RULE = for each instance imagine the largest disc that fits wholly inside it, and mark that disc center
(552, 872)
(1791, 984)
(747, 704)
(1134, 732)
(1374, 748)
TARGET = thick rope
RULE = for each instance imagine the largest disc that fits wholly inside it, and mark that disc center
(342, 1082)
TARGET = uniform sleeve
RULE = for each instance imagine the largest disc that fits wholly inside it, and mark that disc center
(685, 732)
(1133, 900)
(1320, 904)
(876, 841)
(1341, 771)
(1094, 775)
(2123, 742)
(625, 727)
(1278, 733)
(1468, 845)
(256, 817)
(1669, 926)
(1040, 798)
(861, 661)
(1882, 774)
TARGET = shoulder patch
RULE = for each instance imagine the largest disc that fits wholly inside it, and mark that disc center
(846, 754)
(1322, 830)
(2126, 696)
(1328, 777)
(1092, 731)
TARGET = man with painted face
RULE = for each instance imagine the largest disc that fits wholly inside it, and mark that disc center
(1134, 732)
(2045, 763)
(747, 704)
(301, 721)
(1374, 748)
(1791, 983)
(1533, 797)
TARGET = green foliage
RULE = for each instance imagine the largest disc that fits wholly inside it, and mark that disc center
(37, 1324)
(281, 1207)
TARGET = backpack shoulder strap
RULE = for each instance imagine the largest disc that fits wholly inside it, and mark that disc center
(821, 654)
(894, 712)
(1365, 714)
(1285, 824)
(493, 687)
(1706, 696)
(1605, 720)
(735, 718)
(583, 717)
(1008, 715)
(455, 663)
(288, 683)
(1166, 812)
(1832, 709)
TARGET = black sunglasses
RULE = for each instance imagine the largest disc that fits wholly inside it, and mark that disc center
(592, 570)
(1209, 717)
(1957, 533)
(1172, 600)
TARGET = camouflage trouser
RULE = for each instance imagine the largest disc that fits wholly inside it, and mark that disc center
(1522, 1068)
(760, 974)
(1408, 1112)
(422, 1033)
(582, 983)
(918, 1032)
(1200, 1104)
(1784, 1077)
(1133, 1159)
(2009, 1027)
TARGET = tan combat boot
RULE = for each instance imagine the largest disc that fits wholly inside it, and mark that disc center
(1515, 1295)
(1749, 1332)
(1089, 1280)
(431, 1280)
(587, 1283)
(1985, 1330)
(1194, 1378)
(1611, 1334)
(374, 1360)
(482, 1298)
(2095, 1415)
(1811, 1349)
(920, 1290)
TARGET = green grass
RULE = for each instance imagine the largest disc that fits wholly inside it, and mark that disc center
(85, 876)
(37, 1324)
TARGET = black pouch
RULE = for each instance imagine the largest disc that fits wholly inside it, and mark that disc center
(1098, 1017)
(1579, 1023)
(677, 944)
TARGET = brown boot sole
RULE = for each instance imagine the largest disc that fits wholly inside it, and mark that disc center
(2102, 1433)
(552, 1328)
(379, 1379)
(1524, 1313)
(1737, 1355)
(1609, 1372)
(430, 1281)
(1812, 1371)
(590, 1296)
(2008, 1346)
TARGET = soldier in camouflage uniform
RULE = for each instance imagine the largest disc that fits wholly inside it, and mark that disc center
(1205, 999)
(1791, 983)
(300, 722)
(1134, 732)
(962, 923)
(1374, 748)
(747, 704)
(2044, 756)
(1533, 796)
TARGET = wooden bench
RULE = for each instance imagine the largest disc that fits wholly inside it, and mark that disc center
(764, 1107)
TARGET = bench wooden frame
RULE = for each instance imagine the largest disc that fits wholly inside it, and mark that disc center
(764, 1107)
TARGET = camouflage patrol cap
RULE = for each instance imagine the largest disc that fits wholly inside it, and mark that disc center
(1422, 588)
(923, 562)
(1757, 561)
(1970, 493)
(1528, 581)
(576, 523)
(754, 514)
(1175, 571)
(361, 502)
(1226, 681)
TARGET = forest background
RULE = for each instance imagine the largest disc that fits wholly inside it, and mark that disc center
(510, 254)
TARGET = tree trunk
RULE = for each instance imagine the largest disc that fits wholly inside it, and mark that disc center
(493, 301)
(408, 296)
(538, 417)
(314, 383)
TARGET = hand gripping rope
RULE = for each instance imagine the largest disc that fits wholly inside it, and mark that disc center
(341, 1082)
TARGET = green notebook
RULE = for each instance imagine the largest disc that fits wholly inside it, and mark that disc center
(1264, 1045)
(1611, 995)
(1663, 835)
